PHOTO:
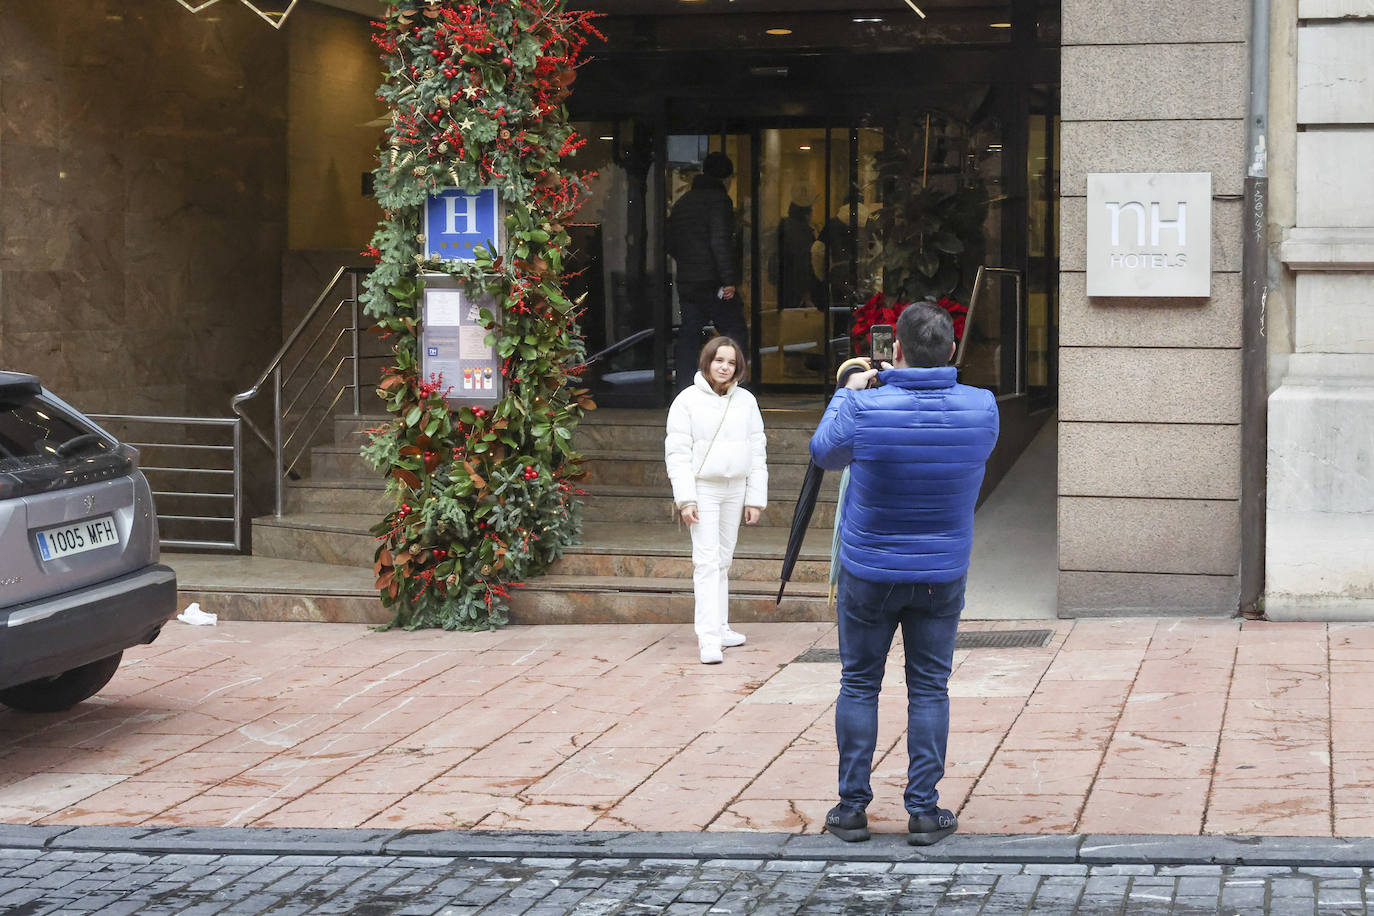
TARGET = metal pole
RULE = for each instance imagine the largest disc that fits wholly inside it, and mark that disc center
(238, 485)
(357, 396)
(276, 436)
(1254, 351)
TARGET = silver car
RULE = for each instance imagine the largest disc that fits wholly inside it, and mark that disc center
(80, 580)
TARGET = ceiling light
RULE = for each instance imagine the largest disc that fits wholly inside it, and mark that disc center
(999, 25)
(805, 148)
(605, 138)
(867, 19)
(915, 9)
(779, 31)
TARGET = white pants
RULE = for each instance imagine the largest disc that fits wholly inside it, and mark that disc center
(720, 504)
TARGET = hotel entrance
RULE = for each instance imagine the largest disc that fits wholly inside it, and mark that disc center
(877, 160)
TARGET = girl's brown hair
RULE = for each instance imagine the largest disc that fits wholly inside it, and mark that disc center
(708, 353)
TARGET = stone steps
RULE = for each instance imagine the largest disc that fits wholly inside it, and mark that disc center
(632, 468)
(636, 551)
(261, 588)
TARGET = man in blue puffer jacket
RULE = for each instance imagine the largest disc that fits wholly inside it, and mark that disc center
(916, 448)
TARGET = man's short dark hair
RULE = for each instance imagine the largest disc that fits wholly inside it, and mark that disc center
(926, 333)
(717, 165)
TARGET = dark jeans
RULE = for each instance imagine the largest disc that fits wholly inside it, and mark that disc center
(869, 613)
(701, 307)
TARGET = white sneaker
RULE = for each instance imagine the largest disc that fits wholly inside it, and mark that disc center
(729, 637)
(711, 655)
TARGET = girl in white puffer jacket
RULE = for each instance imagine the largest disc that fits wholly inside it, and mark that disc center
(717, 461)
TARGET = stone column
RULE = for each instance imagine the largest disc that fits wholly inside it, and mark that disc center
(1320, 521)
(1149, 398)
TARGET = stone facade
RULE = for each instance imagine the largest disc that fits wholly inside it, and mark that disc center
(1320, 520)
(142, 170)
(1149, 443)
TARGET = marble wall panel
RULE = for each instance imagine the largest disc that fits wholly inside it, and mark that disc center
(142, 167)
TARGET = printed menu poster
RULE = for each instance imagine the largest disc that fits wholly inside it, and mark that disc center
(453, 345)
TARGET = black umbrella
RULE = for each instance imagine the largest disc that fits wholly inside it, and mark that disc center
(810, 489)
(801, 519)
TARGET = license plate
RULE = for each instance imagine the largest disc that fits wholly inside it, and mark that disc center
(77, 538)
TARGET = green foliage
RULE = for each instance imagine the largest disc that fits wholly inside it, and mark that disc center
(931, 223)
(484, 499)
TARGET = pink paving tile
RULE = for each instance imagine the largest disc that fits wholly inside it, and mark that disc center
(473, 725)
(980, 714)
(598, 773)
(1205, 676)
(1268, 643)
(210, 809)
(796, 774)
(1353, 690)
(126, 756)
(323, 756)
(721, 753)
(968, 753)
(773, 815)
(522, 754)
(1269, 812)
(1298, 682)
(1354, 819)
(1352, 769)
(792, 718)
(203, 768)
(463, 681)
(575, 715)
(326, 809)
(1095, 665)
(1350, 636)
(274, 731)
(1055, 730)
(1058, 772)
(397, 716)
(1147, 755)
(954, 792)
(1078, 696)
(1172, 711)
(1263, 763)
(565, 814)
(397, 769)
(1346, 735)
(1110, 634)
(1185, 637)
(672, 802)
(1125, 806)
(1280, 719)
(999, 675)
(498, 786)
(127, 803)
(1020, 813)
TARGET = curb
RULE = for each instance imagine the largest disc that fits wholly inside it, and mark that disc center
(1067, 849)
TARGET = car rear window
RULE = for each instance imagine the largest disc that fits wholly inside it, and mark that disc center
(43, 447)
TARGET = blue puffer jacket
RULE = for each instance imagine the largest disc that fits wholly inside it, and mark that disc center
(916, 448)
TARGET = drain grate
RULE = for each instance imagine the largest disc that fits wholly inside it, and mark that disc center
(973, 639)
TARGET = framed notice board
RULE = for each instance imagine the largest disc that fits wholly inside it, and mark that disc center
(453, 345)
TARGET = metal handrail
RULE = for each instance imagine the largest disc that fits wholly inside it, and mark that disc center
(1016, 383)
(282, 368)
(235, 493)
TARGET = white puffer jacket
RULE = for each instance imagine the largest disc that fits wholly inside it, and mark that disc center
(739, 450)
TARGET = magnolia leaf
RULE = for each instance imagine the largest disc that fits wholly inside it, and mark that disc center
(406, 477)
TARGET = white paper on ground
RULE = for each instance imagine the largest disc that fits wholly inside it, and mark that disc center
(196, 617)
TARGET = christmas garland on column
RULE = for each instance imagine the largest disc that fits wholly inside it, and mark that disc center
(483, 498)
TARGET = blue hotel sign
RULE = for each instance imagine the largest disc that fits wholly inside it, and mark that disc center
(456, 222)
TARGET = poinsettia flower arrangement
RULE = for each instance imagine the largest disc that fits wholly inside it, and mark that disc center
(877, 311)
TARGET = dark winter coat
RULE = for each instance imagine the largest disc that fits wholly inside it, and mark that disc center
(916, 448)
(701, 238)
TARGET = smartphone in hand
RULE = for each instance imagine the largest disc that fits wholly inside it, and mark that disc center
(881, 338)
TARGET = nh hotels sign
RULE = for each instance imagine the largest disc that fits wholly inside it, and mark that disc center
(1150, 235)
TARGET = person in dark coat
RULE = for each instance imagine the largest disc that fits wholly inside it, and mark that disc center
(701, 239)
(916, 449)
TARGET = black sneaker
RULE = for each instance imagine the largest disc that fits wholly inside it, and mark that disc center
(849, 824)
(926, 829)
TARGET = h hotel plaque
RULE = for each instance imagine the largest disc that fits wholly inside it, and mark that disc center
(1150, 234)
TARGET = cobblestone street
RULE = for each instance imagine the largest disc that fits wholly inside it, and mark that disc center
(33, 882)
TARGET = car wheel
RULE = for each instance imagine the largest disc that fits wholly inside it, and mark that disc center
(55, 694)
